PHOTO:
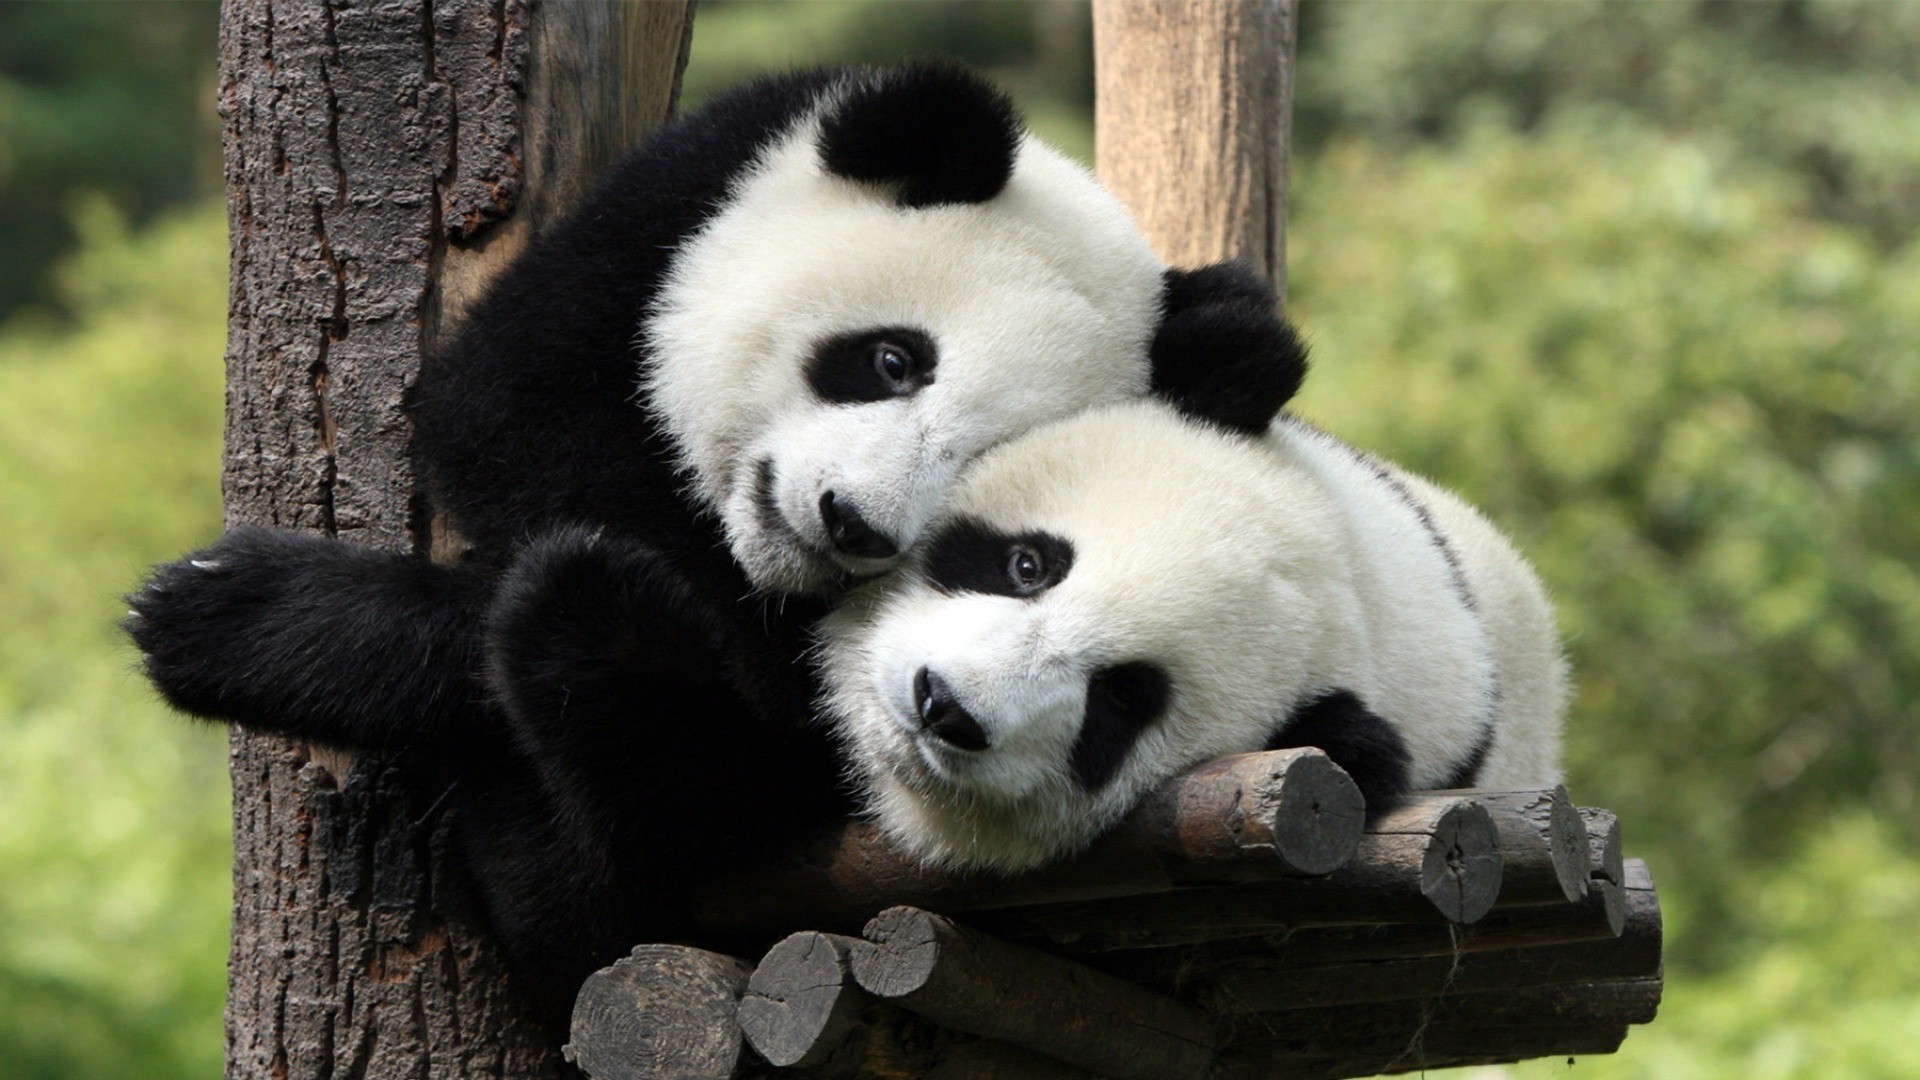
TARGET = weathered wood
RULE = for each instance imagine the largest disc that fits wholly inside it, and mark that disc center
(1451, 1049)
(1356, 1040)
(1606, 868)
(1243, 818)
(1261, 983)
(803, 1009)
(1530, 926)
(368, 148)
(1434, 860)
(1194, 104)
(802, 1004)
(598, 77)
(965, 980)
(664, 1011)
(1543, 843)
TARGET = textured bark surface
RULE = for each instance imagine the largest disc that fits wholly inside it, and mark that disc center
(1195, 101)
(373, 153)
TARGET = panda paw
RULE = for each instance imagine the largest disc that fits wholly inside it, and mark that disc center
(199, 622)
(577, 610)
(1223, 353)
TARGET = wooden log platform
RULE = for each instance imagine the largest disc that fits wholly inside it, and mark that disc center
(1251, 817)
(1244, 922)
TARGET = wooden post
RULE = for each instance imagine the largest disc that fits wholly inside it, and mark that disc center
(1192, 112)
(374, 154)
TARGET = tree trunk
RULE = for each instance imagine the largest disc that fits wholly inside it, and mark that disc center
(381, 161)
(1195, 99)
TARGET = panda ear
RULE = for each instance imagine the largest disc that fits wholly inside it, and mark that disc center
(1222, 352)
(940, 133)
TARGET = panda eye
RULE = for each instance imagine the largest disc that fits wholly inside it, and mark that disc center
(892, 363)
(966, 555)
(860, 367)
(1026, 568)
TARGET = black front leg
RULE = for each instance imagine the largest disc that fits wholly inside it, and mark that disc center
(625, 682)
(313, 637)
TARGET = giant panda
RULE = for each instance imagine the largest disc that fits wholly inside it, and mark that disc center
(743, 373)
(1118, 596)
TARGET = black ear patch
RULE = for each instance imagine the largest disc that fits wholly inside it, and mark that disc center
(942, 134)
(1357, 740)
(1223, 353)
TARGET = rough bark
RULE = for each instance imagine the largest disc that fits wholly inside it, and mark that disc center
(372, 152)
(1195, 100)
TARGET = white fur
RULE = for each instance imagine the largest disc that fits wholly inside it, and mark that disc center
(1257, 574)
(1040, 302)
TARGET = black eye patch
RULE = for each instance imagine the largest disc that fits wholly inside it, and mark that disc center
(1122, 702)
(871, 365)
(967, 556)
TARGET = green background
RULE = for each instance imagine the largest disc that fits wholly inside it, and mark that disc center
(1641, 280)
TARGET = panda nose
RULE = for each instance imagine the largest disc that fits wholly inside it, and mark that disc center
(940, 713)
(850, 533)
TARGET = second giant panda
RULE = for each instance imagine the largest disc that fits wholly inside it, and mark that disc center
(1119, 596)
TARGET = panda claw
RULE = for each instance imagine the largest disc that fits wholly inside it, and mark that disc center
(208, 565)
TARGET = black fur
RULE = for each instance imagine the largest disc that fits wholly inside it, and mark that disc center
(1355, 739)
(252, 629)
(1222, 352)
(593, 695)
(938, 133)
(1122, 702)
(970, 557)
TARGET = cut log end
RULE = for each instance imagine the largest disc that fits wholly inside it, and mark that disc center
(1314, 816)
(667, 1010)
(1462, 868)
(801, 1003)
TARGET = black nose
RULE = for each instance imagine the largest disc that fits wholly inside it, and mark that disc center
(850, 533)
(940, 713)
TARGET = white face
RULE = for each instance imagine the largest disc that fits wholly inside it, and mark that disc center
(827, 361)
(1105, 603)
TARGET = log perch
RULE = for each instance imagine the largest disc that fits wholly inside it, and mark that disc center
(804, 1010)
(1543, 844)
(802, 1004)
(1580, 1014)
(664, 1011)
(1430, 860)
(1606, 869)
(965, 980)
(1277, 981)
(1250, 817)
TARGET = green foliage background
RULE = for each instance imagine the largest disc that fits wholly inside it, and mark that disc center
(1641, 280)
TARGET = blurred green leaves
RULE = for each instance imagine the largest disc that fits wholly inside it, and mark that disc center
(113, 852)
(110, 100)
(1695, 402)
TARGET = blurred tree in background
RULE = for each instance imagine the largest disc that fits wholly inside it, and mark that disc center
(105, 99)
(1641, 280)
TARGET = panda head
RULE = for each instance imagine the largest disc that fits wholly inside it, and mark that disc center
(901, 281)
(1103, 603)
